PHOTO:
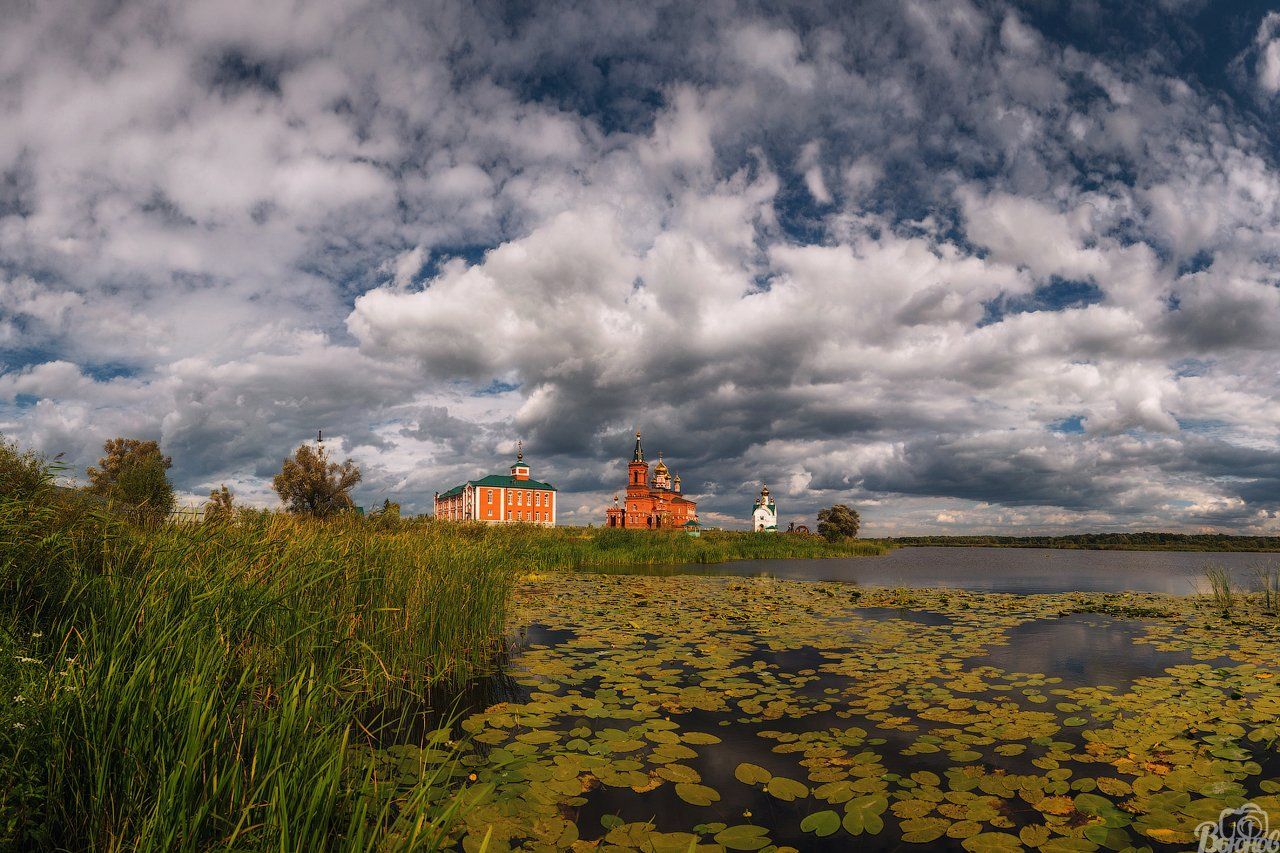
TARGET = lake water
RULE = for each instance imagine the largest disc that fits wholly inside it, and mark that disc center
(898, 693)
(1014, 570)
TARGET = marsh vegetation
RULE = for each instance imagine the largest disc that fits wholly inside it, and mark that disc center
(228, 684)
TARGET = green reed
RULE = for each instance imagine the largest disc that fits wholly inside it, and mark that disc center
(1221, 587)
(199, 686)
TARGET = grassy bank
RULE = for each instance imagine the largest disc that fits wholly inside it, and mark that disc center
(547, 549)
(184, 687)
(180, 688)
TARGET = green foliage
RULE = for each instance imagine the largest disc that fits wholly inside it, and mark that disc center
(23, 474)
(387, 515)
(838, 522)
(309, 484)
(220, 508)
(132, 473)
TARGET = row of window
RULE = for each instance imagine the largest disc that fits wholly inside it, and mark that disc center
(519, 499)
(522, 515)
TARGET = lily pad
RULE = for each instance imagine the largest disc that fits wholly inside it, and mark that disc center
(695, 794)
(821, 823)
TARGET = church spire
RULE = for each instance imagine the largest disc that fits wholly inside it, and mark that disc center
(639, 454)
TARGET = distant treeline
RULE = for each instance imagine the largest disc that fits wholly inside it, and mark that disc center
(1144, 541)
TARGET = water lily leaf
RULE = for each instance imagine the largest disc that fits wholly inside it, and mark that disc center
(1092, 804)
(922, 830)
(743, 837)
(1034, 834)
(1068, 845)
(912, 808)
(835, 792)
(821, 823)
(863, 814)
(538, 737)
(699, 738)
(786, 789)
(696, 795)
(993, 842)
(751, 774)
(1056, 805)
(964, 829)
(678, 773)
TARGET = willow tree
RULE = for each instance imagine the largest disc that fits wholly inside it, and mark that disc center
(133, 473)
(310, 484)
(838, 522)
(220, 508)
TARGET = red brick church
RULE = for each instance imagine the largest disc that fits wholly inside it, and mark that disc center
(652, 506)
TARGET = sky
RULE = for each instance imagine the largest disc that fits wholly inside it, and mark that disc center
(967, 266)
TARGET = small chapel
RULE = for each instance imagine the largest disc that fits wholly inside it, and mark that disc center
(764, 516)
(652, 505)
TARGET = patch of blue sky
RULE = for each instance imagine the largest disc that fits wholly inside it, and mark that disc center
(1191, 367)
(1200, 424)
(1073, 425)
(106, 371)
(1058, 294)
(19, 358)
(1198, 262)
(497, 387)
(471, 253)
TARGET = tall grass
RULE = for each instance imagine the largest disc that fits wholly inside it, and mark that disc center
(1267, 580)
(198, 687)
(1221, 587)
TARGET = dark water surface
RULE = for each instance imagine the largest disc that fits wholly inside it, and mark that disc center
(1016, 570)
(1031, 664)
(1080, 649)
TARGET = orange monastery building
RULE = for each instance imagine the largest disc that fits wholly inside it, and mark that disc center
(501, 500)
(651, 506)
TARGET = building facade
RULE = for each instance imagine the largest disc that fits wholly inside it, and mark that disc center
(499, 499)
(764, 515)
(654, 505)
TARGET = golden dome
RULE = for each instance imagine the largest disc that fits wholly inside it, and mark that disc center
(661, 467)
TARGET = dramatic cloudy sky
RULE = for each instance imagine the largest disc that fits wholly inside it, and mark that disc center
(970, 266)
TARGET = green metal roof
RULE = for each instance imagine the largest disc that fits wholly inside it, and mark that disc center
(502, 480)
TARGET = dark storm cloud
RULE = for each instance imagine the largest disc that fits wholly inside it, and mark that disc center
(880, 253)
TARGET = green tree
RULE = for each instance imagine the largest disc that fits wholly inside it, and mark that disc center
(309, 484)
(133, 473)
(387, 515)
(23, 473)
(838, 522)
(220, 507)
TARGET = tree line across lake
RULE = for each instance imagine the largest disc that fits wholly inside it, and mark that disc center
(1144, 541)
